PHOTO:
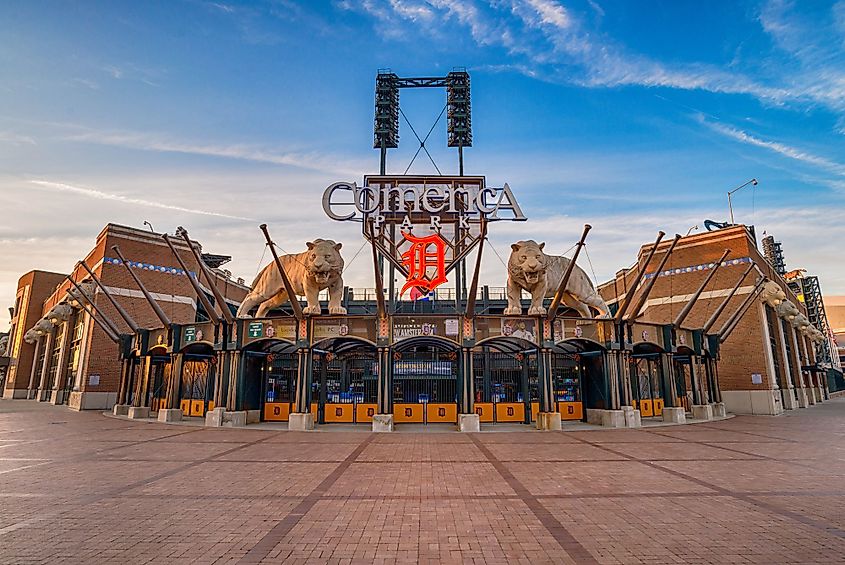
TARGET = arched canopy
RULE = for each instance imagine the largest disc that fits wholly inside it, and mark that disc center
(270, 345)
(578, 345)
(430, 341)
(159, 350)
(198, 348)
(343, 344)
(684, 350)
(646, 349)
(508, 344)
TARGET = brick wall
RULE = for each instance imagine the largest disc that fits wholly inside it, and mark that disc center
(745, 350)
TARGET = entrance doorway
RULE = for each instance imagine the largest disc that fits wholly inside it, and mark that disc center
(425, 376)
(647, 380)
(344, 381)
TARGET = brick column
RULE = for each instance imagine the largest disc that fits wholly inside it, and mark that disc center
(32, 390)
(670, 389)
(45, 367)
(61, 366)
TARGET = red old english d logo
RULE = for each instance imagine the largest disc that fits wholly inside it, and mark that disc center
(408, 412)
(441, 412)
(370, 412)
(424, 254)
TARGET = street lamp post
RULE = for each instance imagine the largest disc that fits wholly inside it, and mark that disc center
(730, 205)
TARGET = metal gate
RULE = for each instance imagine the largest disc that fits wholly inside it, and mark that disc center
(425, 386)
(345, 386)
(503, 385)
(278, 378)
(567, 376)
(159, 378)
(647, 384)
(197, 384)
(683, 381)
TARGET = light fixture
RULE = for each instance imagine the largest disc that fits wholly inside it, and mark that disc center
(730, 192)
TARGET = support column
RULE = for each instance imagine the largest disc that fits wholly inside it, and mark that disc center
(49, 343)
(615, 414)
(701, 408)
(301, 419)
(548, 418)
(671, 411)
(787, 392)
(383, 419)
(31, 389)
(468, 420)
(57, 394)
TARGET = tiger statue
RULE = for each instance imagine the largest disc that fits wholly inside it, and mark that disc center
(540, 274)
(319, 267)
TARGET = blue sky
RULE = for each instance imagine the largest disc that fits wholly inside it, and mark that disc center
(631, 116)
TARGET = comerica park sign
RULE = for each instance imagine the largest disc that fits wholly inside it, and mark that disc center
(378, 204)
(425, 226)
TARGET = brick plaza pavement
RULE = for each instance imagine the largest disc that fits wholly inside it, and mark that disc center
(86, 488)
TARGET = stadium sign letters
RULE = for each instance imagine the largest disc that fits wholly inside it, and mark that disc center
(381, 204)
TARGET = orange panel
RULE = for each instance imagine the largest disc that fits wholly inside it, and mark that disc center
(365, 412)
(535, 409)
(438, 413)
(570, 410)
(510, 412)
(276, 411)
(314, 408)
(339, 413)
(185, 405)
(658, 406)
(408, 413)
(646, 408)
(210, 405)
(197, 407)
(484, 411)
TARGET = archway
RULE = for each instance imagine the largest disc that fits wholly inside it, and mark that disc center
(578, 377)
(159, 375)
(682, 363)
(647, 387)
(269, 378)
(425, 376)
(344, 384)
(505, 374)
(199, 364)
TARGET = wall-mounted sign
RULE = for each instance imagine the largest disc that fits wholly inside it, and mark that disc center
(190, 334)
(94, 380)
(756, 379)
(271, 329)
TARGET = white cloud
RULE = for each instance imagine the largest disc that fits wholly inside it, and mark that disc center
(823, 163)
(100, 195)
(246, 152)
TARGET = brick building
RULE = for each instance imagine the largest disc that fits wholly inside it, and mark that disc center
(58, 354)
(765, 362)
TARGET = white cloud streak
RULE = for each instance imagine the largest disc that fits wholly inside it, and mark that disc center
(148, 142)
(100, 195)
(823, 163)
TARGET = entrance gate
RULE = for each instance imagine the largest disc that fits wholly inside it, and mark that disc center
(578, 377)
(197, 380)
(647, 380)
(159, 379)
(345, 381)
(682, 364)
(504, 388)
(425, 375)
(270, 367)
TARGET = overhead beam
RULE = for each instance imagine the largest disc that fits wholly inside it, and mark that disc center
(156, 308)
(682, 315)
(561, 287)
(629, 296)
(133, 325)
(653, 280)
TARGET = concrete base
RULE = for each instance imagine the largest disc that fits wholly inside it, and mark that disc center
(57, 397)
(236, 419)
(44, 395)
(253, 416)
(549, 421)
(802, 397)
(633, 417)
(758, 402)
(215, 418)
(169, 415)
(15, 393)
(92, 400)
(139, 412)
(719, 410)
(788, 397)
(675, 415)
(702, 412)
(120, 410)
(31, 394)
(821, 395)
(299, 422)
(382, 423)
(607, 418)
(469, 423)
